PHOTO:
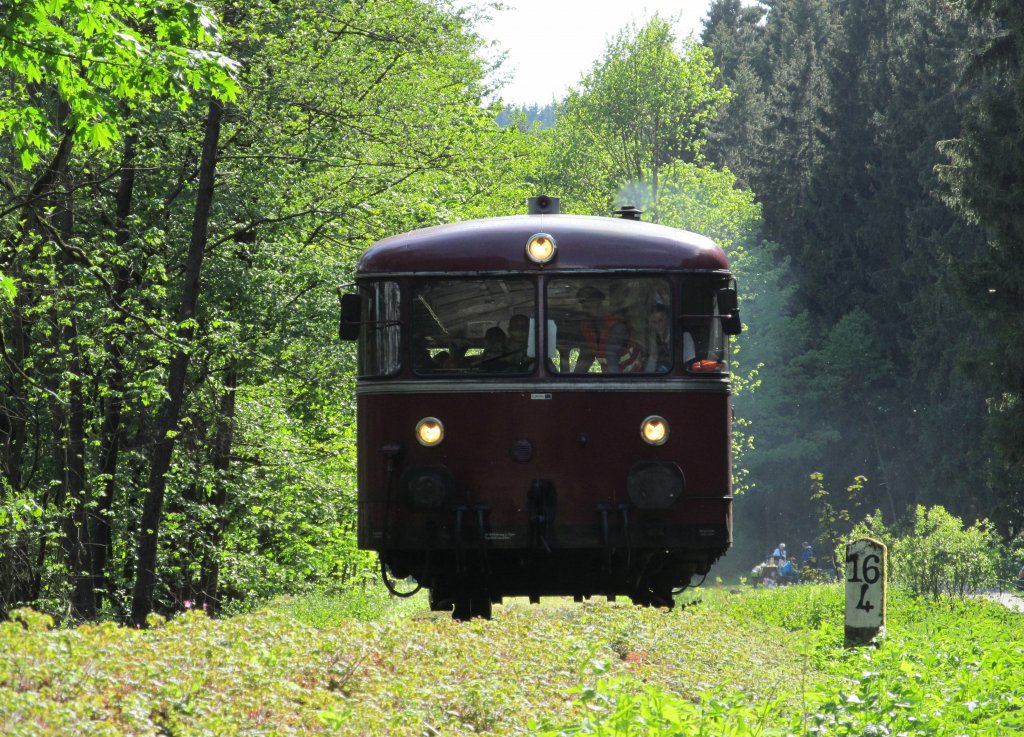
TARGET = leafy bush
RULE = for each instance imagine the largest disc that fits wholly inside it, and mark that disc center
(940, 555)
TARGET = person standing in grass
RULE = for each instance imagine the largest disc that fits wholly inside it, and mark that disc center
(807, 558)
(779, 554)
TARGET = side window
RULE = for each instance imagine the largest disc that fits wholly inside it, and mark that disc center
(610, 325)
(467, 327)
(705, 346)
(380, 339)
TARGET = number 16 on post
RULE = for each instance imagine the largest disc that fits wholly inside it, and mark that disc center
(865, 590)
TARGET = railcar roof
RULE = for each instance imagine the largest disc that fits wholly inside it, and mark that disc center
(584, 242)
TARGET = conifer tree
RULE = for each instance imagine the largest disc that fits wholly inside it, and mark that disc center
(986, 175)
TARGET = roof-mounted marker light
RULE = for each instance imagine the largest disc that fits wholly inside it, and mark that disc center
(541, 248)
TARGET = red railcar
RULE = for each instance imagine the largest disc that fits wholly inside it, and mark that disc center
(544, 407)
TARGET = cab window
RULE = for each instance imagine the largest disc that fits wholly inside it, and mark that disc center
(611, 325)
(380, 334)
(705, 348)
(473, 327)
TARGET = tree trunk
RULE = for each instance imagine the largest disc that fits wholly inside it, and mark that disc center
(70, 443)
(210, 574)
(76, 544)
(167, 422)
(110, 432)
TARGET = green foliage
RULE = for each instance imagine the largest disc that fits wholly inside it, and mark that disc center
(353, 121)
(369, 601)
(833, 120)
(814, 608)
(97, 56)
(7, 288)
(527, 118)
(927, 678)
(983, 161)
(623, 707)
(646, 104)
(836, 518)
(751, 662)
(941, 556)
(22, 521)
(269, 672)
(31, 620)
(708, 201)
(851, 352)
(936, 555)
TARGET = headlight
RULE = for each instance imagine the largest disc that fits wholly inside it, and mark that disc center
(654, 430)
(429, 431)
(541, 248)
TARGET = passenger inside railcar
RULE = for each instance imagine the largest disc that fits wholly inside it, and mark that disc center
(638, 301)
(495, 351)
(472, 326)
(603, 334)
(517, 346)
(611, 325)
(659, 354)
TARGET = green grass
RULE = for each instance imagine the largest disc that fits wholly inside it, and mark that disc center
(365, 603)
(725, 662)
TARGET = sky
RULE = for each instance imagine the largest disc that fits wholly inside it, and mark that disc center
(551, 43)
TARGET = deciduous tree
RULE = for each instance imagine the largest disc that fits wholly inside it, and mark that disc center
(645, 104)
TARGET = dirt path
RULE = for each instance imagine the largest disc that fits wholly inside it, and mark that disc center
(1011, 601)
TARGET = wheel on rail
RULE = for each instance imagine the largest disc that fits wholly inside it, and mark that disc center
(470, 606)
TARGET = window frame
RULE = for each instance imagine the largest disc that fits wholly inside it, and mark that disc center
(375, 300)
(598, 280)
(717, 348)
(462, 373)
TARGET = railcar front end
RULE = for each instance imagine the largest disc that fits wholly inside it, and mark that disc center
(544, 408)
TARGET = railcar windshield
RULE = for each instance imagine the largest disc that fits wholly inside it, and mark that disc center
(473, 326)
(615, 325)
(632, 325)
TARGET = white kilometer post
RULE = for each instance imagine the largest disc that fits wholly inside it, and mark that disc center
(865, 591)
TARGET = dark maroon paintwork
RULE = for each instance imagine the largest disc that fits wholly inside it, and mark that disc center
(498, 244)
(583, 442)
(579, 436)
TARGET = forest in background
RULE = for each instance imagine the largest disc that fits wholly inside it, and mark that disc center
(182, 196)
(882, 141)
